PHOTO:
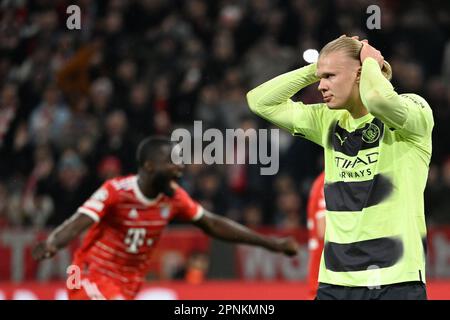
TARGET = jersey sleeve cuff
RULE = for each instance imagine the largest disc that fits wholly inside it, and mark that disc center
(91, 214)
(200, 212)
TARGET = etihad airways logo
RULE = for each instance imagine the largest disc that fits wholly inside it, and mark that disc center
(359, 160)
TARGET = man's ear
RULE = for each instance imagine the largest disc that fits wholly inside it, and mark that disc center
(148, 166)
(358, 75)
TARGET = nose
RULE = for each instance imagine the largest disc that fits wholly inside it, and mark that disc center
(322, 86)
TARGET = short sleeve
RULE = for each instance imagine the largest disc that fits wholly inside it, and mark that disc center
(98, 205)
(185, 207)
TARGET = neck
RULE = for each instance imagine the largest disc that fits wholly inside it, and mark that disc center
(357, 109)
(146, 184)
(152, 185)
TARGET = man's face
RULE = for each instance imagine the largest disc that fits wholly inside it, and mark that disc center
(165, 168)
(338, 75)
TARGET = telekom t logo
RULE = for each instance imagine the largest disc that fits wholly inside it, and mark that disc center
(134, 239)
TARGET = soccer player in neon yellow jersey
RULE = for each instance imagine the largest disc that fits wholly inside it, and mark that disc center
(377, 146)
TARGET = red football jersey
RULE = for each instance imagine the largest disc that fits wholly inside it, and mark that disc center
(316, 209)
(128, 227)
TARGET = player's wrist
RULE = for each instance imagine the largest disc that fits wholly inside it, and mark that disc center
(274, 245)
(309, 72)
(50, 246)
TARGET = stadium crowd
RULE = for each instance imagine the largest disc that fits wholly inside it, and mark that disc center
(75, 103)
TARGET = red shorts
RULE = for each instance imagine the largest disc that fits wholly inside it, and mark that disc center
(97, 288)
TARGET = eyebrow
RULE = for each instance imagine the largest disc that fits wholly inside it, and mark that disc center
(324, 74)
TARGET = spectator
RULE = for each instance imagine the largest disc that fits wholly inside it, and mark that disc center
(196, 268)
(115, 140)
(109, 167)
(252, 216)
(142, 67)
(140, 113)
(68, 189)
(289, 210)
(49, 117)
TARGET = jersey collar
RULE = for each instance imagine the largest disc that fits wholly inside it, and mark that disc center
(356, 123)
(140, 196)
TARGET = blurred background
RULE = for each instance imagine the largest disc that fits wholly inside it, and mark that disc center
(75, 103)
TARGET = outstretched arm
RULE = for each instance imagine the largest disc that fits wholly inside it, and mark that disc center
(228, 230)
(62, 235)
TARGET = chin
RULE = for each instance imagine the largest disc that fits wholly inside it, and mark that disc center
(334, 106)
(331, 106)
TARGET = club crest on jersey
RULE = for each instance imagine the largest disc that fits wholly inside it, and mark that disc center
(164, 211)
(133, 214)
(371, 134)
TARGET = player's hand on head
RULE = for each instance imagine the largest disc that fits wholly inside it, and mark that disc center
(43, 251)
(367, 51)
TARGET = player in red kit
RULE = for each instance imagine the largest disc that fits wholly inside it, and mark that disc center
(125, 218)
(316, 230)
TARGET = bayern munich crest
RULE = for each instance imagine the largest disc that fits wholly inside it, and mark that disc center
(165, 210)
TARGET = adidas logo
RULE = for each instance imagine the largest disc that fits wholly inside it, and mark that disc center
(133, 214)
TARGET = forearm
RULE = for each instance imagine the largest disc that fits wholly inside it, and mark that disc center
(379, 97)
(271, 100)
(69, 230)
(228, 230)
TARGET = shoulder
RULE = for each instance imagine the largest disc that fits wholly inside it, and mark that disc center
(415, 99)
(179, 191)
(318, 184)
(334, 115)
(122, 183)
(320, 111)
(315, 107)
(321, 179)
(420, 107)
(112, 187)
(181, 196)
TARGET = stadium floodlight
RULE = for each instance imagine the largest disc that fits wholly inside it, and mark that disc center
(311, 55)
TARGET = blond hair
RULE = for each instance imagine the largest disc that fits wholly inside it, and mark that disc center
(352, 48)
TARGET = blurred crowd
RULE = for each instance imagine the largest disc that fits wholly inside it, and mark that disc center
(74, 104)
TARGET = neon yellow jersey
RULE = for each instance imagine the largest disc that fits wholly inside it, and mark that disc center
(376, 169)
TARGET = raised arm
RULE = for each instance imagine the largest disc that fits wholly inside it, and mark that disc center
(409, 113)
(228, 230)
(271, 100)
(62, 235)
